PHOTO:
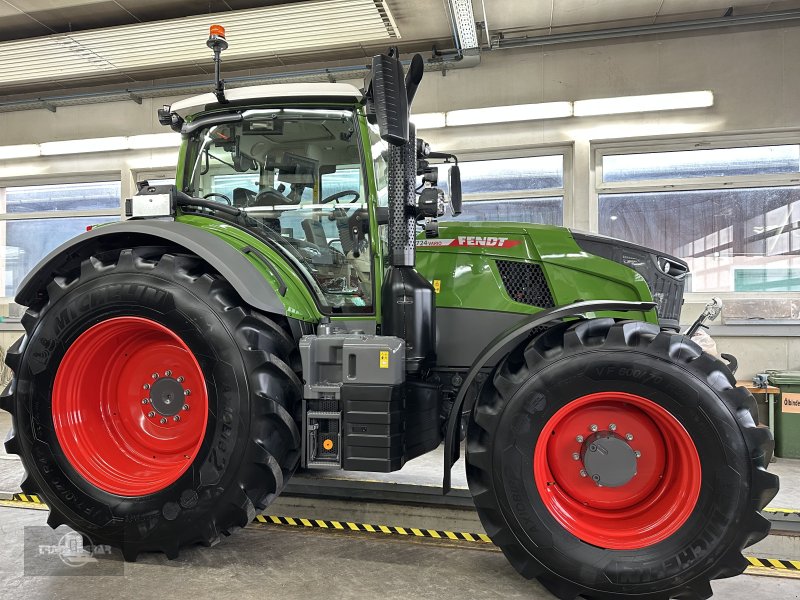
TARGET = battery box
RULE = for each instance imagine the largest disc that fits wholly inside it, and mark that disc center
(360, 413)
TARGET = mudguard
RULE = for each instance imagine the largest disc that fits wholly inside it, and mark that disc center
(229, 262)
(502, 344)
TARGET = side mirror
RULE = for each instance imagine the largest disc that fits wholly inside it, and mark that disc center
(390, 98)
(454, 184)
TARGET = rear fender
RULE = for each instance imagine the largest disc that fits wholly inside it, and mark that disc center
(227, 260)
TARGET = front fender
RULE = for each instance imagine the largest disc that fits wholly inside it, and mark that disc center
(509, 339)
(227, 260)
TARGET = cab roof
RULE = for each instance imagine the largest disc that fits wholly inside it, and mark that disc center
(268, 93)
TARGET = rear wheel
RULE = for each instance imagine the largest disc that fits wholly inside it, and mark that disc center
(152, 408)
(611, 460)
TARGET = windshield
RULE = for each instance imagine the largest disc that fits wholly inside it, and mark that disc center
(298, 172)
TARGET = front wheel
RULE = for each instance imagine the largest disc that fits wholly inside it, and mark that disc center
(611, 460)
(152, 409)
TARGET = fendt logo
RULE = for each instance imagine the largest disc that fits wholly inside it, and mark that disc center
(470, 240)
(488, 242)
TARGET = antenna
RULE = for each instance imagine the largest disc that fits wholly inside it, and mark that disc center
(218, 43)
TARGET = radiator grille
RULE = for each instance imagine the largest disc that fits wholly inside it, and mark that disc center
(525, 283)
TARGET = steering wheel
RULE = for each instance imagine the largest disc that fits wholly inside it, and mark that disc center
(342, 194)
(223, 196)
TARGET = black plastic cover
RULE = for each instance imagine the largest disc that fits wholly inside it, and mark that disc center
(409, 312)
(389, 98)
(665, 274)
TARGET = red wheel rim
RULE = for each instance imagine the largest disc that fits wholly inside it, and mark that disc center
(647, 509)
(129, 406)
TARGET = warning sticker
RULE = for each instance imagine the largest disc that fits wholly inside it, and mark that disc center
(437, 285)
(384, 359)
(478, 241)
(790, 403)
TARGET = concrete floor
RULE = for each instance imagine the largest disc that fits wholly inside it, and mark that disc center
(309, 563)
(293, 564)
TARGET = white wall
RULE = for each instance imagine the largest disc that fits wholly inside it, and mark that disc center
(754, 74)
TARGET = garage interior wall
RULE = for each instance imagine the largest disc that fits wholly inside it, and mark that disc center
(754, 74)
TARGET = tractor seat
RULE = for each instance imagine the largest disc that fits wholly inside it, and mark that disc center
(243, 197)
(315, 234)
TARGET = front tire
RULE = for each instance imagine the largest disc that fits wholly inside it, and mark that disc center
(611, 460)
(152, 409)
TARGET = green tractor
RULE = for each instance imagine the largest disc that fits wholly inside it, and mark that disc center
(294, 302)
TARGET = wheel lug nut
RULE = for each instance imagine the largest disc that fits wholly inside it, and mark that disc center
(146, 386)
(612, 427)
(638, 454)
(151, 414)
(155, 375)
(176, 418)
(629, 437)
(180, 379)
(593, 428)
(576, 456)
(167, 373)
(144, 400)
(579, 439)
(187, 392)
(163, 420)
(185, 407)
(583, 473)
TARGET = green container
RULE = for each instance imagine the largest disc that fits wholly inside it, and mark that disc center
(787, 413)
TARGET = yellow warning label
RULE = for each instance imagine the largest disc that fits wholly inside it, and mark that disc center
(384, 359)
(790, 402)
(437, 285)
(327, 445)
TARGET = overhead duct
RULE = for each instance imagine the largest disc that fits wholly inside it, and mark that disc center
(437, 63)
(639, 30)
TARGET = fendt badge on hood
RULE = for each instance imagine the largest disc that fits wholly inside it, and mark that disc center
(470, 240)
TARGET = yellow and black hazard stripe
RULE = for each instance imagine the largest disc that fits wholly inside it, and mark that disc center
(773, 564)
(437, 534)
(31, 498)
(781, 511)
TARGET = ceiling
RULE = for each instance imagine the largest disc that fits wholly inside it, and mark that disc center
(34, 34)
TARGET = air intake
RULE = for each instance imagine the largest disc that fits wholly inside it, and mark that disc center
(525, 283)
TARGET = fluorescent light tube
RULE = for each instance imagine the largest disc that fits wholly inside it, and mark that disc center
(634, 104)
(506, 114)
(106, 144)
(154, 140)
(429, 120)
(20, 151)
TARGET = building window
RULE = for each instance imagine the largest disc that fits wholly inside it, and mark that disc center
(732, 213)
(36, 219)
(527, 189)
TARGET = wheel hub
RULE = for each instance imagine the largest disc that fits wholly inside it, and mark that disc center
(608, 459)
(167, 396)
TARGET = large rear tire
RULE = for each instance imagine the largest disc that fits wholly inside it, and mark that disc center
(611, 460)
(152, 409)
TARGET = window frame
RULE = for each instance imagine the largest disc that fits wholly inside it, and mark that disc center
(111, 176)
(681, 142)
(566, 150)
(12, 323)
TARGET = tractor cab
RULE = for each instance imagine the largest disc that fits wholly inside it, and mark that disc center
(299, 172)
